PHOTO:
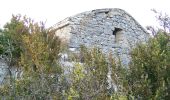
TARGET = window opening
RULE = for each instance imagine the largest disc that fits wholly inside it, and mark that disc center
(117, 33)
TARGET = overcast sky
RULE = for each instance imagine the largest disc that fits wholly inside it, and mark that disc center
(53, 11)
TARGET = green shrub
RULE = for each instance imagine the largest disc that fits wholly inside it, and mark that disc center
(149, 69)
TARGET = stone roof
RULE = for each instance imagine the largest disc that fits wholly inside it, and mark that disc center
(112, 11)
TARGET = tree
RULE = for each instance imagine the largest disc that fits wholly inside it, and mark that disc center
(35, 51)
(150, 66)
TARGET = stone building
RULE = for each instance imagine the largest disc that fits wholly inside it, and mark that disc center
(112, 30)
(109, 29)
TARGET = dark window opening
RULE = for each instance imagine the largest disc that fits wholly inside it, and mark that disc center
(117, 34)
(116, 30)
(106, 12)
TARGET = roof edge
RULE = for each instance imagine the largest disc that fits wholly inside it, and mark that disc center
(66, 21)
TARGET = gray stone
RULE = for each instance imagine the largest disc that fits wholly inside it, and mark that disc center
(98, 28)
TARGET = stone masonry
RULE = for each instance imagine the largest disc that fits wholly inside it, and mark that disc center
(112, 30)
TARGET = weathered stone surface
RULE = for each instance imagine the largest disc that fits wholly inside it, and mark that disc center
(97, 28)
(3, 70)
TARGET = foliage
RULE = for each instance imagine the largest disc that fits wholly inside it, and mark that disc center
(12, 34)
(150, 66)
(149, 69)
(89, 79)
(35, 52)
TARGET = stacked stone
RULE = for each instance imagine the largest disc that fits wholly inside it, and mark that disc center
(95, 29)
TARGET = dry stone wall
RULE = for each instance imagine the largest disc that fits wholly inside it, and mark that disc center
(109, 29)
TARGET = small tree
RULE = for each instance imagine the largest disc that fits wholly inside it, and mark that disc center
(150, 66)
(35, 51)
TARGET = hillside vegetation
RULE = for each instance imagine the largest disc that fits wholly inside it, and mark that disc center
(35, 51)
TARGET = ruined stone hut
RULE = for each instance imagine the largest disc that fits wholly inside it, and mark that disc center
(109, 29)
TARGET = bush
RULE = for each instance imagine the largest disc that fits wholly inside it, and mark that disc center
(149, 69)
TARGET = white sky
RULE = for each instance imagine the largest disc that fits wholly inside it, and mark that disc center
(53, 11)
